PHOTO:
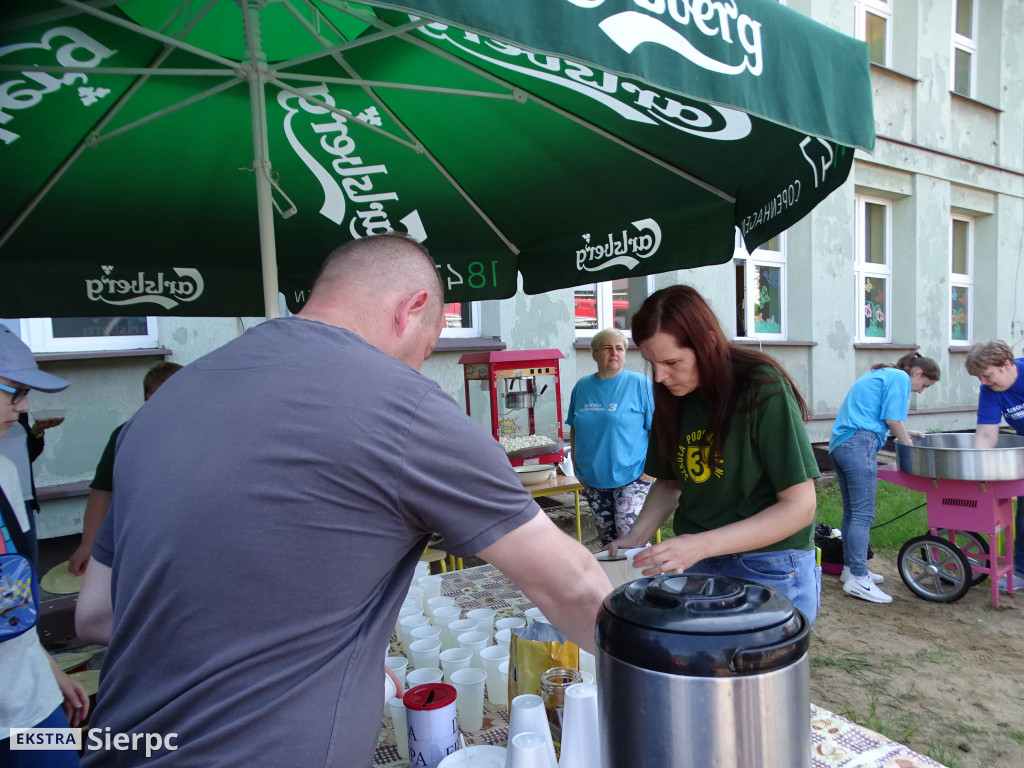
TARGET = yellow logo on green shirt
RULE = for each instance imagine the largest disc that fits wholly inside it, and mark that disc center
(692, 459)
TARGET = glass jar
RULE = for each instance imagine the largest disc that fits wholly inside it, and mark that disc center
(552, 685)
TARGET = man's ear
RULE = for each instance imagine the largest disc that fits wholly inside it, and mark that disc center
(409, 309)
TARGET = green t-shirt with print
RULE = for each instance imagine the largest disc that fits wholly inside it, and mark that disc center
(766, 450)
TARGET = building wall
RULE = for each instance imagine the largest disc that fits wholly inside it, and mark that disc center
(936, 154)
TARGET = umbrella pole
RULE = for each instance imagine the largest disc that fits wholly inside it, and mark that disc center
(261, 162)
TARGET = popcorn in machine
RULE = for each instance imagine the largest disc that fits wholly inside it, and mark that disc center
(516, 396)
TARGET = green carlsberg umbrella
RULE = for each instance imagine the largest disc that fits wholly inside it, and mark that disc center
(194, 158)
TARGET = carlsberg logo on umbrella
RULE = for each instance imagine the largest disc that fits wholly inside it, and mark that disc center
(629, 100)
(620, 250)
(140, 289)
(712, 19)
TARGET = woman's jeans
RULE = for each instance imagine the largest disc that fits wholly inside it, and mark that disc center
(856, 466)
(791, 572)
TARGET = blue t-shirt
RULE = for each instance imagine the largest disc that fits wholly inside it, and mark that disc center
(611, 420)
(875, 397)
(993, 407)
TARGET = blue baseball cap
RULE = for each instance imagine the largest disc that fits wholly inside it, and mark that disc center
(18, 364)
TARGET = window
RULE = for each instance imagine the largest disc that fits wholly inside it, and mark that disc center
(874, 269)
(761, 290)
(461, 320)
(609, 305)
(961, 280)
(85, 334)
(964, 47)
(872, 26)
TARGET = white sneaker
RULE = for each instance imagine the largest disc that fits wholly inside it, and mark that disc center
(876, 578)
(866, 590)
(1018, 583)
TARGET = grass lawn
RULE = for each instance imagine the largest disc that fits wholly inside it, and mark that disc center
(893, 527)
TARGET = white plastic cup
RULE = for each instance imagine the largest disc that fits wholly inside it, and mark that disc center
(588, 664)
(426, 632)
(526, 714)
(406, 625)
(503, 637)
(532, 614)
(399, 665)
(442, 618)
(469, 683)
(492, 657)
(440, 601)
(454, 658)
(581, 747)
(512, 622)
(405, 610)
(401, 726)
(423, 676)
(416, 592)
(503, 668)
(529, 750)
(475, 642)
(431, 586)
(634, 572)
(454, 629)
(484, 618)
(425, 653)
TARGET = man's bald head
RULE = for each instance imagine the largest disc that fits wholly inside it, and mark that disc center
(386, 289)
(377, 265)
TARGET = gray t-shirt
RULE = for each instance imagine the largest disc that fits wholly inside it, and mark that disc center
(272, 501)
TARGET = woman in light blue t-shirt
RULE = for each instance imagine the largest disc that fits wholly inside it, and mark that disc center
(875, 405)
(609, 418)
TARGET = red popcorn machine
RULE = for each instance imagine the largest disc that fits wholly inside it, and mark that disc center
(517, 397)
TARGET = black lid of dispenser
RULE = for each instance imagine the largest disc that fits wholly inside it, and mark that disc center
(701, 625)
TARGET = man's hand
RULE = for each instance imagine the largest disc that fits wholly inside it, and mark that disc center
(41, 425)
(76, 700)
(79, 559)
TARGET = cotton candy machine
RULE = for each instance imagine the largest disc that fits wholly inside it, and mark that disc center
(969, 494)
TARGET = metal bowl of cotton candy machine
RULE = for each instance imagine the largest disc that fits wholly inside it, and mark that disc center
(953, 456)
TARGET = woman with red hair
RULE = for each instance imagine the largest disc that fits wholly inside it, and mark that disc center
(730, 453)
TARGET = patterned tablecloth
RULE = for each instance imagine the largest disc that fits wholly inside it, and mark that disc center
(835, 741)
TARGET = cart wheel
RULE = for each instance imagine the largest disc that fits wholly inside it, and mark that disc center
(972, 545)
(934, 569)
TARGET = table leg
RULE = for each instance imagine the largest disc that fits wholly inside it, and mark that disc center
(579, 530)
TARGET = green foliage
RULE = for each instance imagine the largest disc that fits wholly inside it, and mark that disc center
(891, 502)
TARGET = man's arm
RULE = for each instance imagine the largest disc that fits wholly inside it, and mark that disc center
(985, 435)
(556, 572)
(95, 510)
(95, 611)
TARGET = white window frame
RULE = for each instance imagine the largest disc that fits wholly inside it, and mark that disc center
(882, 9)
(865, 270)
(968, 45)
(961, 280)
(762, 256)
(604, 306)
(37, 332)
(465, 333)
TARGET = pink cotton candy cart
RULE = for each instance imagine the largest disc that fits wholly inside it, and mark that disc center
(970, 495)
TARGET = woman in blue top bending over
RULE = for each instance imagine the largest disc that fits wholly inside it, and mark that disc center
(609, 420)
(875, 405)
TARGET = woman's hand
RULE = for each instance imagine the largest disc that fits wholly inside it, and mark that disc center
(631, 540)
(672, 555)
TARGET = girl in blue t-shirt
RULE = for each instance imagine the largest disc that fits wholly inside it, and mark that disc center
(875, 405)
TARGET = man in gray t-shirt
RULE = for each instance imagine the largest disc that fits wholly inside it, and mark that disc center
(270, 508)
